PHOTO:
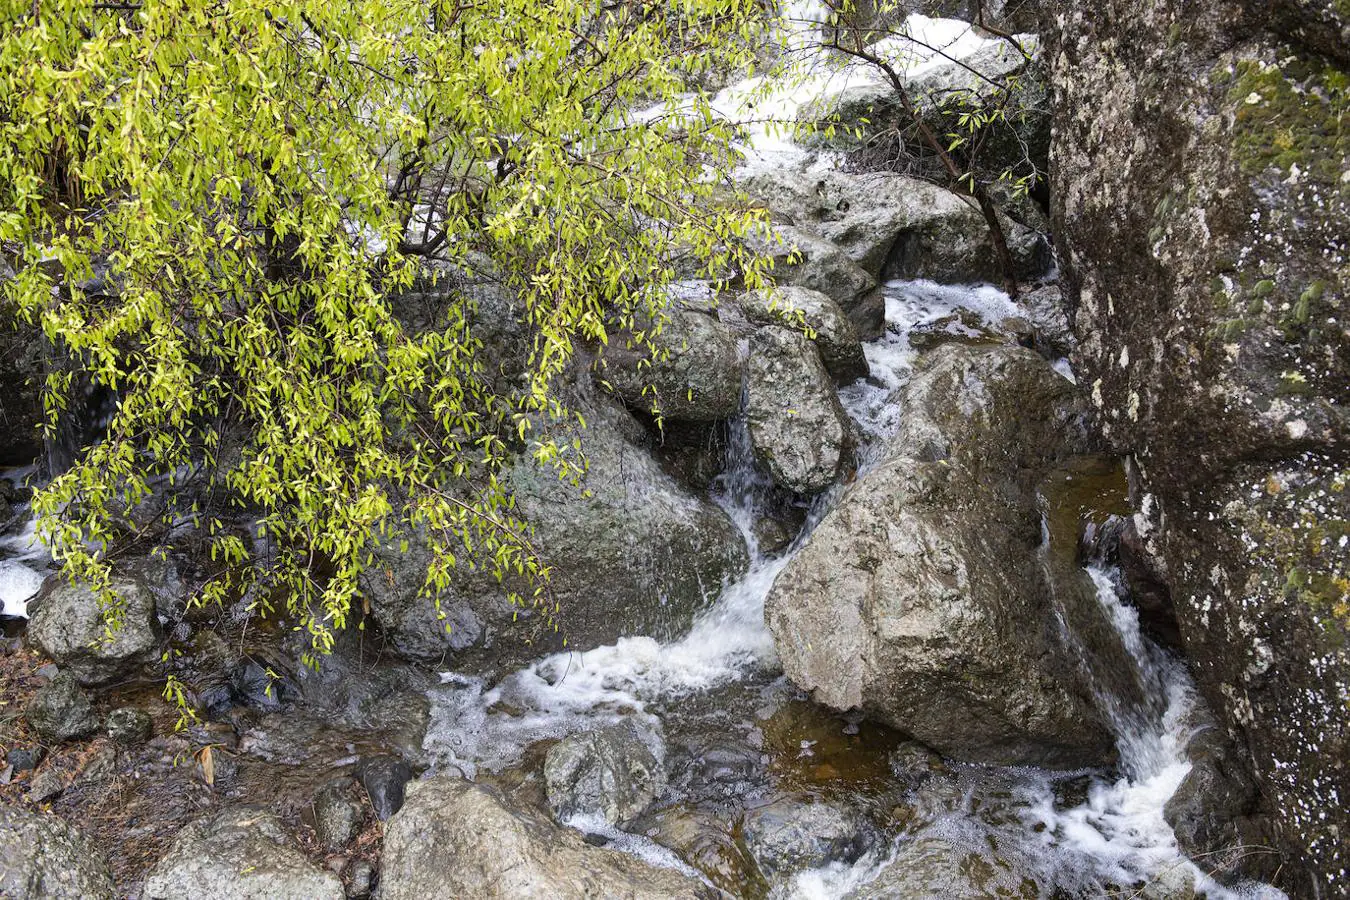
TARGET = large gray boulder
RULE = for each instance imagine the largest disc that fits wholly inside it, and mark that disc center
(238, 854)
(804, 259)
(68, 625)
(608, 773)
(797, 428)
(694, 376)
(43, 858)
(630, 549)
(834, 333)
(895, 226)
(922, 597)
(456, 839)
(1201, 208)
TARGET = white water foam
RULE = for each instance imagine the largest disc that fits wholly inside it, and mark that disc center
(23, 557)
(767, 106)
(1119, 835)
(871, 401)
(570, 692)
(643, 848)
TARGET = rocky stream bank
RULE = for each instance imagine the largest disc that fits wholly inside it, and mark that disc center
(950, 595)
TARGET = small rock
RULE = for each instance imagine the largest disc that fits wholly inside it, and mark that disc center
(24, 759)
(61, 711)
(384, 778)
(337, 815)
(102, 764)
(796, 833)
(128, 726)
(912, 762)
(609, 773)
(45, 786)
(253, 686)
(360, 880)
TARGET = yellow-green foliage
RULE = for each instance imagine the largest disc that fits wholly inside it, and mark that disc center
(258, 174)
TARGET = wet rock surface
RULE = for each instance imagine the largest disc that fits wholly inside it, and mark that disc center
(238, 854)
(457, 839)
(932, 868)
(689, 548)
(920, 599)
(43, 858)
(68, 626)
(797, 427)
(834, 334)
(62, 711)
(1211, 808)
(337, 814)
(795, 833)
(803, 259)
(890, 226)
(694, 376)
(385, 779)
(609, 773)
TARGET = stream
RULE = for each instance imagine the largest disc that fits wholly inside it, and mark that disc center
(1081, 834)
(718, 692)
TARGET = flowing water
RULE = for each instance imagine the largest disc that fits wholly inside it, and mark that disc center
(1084, 834)
(1081, 834)
(23, 559)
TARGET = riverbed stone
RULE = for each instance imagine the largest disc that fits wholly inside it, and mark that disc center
(68, 626)
(239, 854)
(833, 333)
(385, 779)
(931, 867)
(337, 813)
(60, 710)
(608, 773)
(795, 833)
(631, 551)
(44, 858)
(1210, 811)
(895, 226)
(803, 258)
(456, 839)
(128, 725)
(922, 597)
(694, 373)
(797, 428)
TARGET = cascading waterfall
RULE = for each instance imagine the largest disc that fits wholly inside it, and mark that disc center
(1117, 836)
(23, 558)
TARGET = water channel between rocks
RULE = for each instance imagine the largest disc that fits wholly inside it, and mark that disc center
(717, 693)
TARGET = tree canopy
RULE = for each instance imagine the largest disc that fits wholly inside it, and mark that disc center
(212, 207)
